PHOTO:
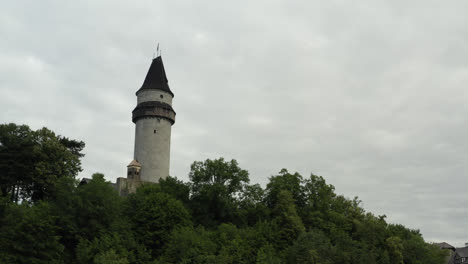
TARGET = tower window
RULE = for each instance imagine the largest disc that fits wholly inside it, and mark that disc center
(155, 131)
(161, 96)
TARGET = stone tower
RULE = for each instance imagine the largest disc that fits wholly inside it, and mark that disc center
(153, 117)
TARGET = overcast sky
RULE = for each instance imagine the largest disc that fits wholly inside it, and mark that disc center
(369, 94)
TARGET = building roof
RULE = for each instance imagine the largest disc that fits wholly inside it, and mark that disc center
(462, 252)
(444, 245)
(156, 77)
(84, 181)
(134, 163)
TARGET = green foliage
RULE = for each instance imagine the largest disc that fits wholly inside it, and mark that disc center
(311, 248)
(267, 255)
(98, 207)
(153, 215)
(189, 245)
(17, 159)
(218, 172)
(285, 181)
(110, 257)
(28, 235)
(319, 199)
(176, 188)
(31, 162)
(251, 207)
(236, 245)
(111, 246)
(46, 217)
(215, 185)
(287, 223)
(395, 249)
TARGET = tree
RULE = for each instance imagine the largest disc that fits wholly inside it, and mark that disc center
(31, 162)
(236, 245)
(154, 215)
(175, 188)
(311, 248)
(110, 257)
(285, 181)
(17, 159)
(251, 206)
(98, 208)
(318, 201)
(28, 235)
(288, 225)
(215, 186)
(91, 222)
(189, 245)
(267, 255)
(294, 220)
(65, 208)
(111, 246)
(395, 248)
(318, 194)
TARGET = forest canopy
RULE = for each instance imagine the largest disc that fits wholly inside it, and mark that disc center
(218, 216)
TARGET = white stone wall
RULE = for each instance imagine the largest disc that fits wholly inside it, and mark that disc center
(154, 95)
(152, 150)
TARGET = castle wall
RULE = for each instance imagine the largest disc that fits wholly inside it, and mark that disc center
(152, 149)
(126, 186)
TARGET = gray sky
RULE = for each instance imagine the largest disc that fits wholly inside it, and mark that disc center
(369, 94)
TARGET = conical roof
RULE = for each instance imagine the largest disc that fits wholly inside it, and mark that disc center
(134, 163)
(156, 77)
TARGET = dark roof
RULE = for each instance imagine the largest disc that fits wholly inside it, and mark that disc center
(156, 77)
(462, 252)
(444, 245)
(84, 181)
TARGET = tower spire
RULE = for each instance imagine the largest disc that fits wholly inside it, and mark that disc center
(156, 77)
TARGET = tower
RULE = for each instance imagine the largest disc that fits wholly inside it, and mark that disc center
(153, 117)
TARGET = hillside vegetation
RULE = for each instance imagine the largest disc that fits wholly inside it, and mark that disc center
(216, 217)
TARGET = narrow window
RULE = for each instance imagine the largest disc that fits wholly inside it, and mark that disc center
(161, 96)
(155, 131)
